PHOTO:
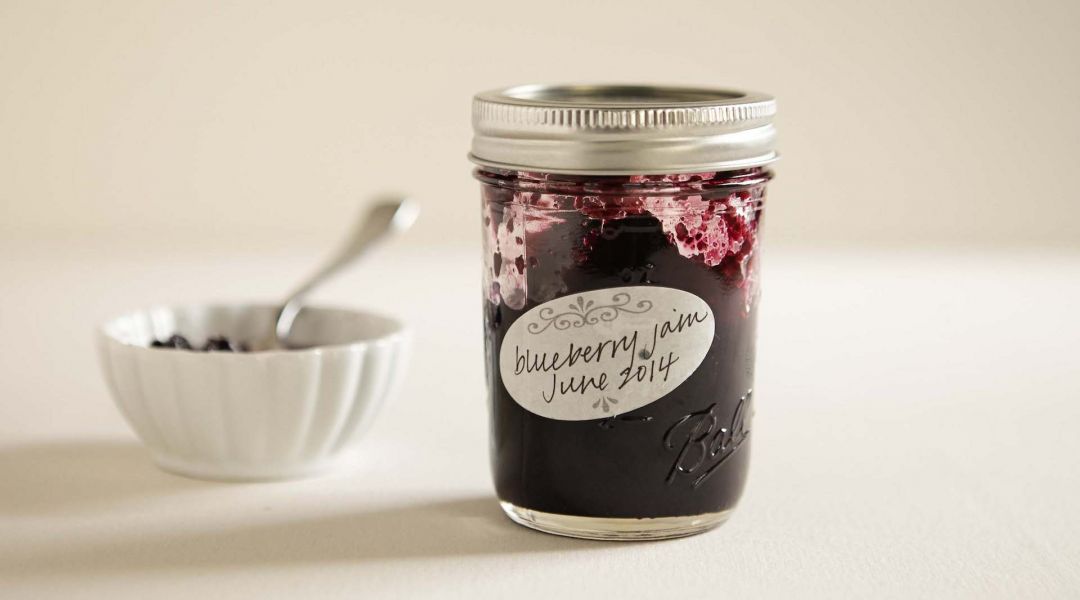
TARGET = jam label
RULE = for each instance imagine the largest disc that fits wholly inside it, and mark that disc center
(599, 354)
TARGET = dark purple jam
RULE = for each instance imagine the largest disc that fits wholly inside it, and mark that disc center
(213, 344)
(547, 236)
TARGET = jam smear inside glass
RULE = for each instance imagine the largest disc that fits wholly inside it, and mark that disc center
(549, 235)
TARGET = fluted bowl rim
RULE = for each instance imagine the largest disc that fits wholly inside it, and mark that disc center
(386, 329)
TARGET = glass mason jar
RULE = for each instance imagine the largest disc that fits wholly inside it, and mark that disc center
(621, 245)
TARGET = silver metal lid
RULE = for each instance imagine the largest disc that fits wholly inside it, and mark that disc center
(622, 129)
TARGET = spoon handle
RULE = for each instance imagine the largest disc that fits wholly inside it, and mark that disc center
(384, 219)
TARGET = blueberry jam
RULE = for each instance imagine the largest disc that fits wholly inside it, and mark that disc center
(547, 236)
(213, 344)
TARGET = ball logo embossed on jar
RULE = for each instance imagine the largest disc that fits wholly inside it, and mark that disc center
(606, 352)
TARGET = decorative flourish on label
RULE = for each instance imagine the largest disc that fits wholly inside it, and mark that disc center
(702, 444)
(605, 402)
(582, 313)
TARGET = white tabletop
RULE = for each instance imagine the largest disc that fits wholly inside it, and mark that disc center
(916, 434)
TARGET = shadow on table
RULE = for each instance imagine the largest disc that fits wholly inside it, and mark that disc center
(458, 527)
(80, 476)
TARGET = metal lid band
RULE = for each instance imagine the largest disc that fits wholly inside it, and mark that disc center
(622, 129)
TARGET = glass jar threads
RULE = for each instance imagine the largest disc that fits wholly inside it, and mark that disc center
(621, 244)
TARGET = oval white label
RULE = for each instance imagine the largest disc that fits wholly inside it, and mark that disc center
(603, 353)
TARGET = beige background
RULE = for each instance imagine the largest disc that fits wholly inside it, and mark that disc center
(901, 122)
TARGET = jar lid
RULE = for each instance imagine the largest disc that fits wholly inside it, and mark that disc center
(622, 129)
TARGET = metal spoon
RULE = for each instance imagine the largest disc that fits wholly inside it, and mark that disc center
(391, 214)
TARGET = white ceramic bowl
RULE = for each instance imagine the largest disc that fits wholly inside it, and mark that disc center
(257, 415)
